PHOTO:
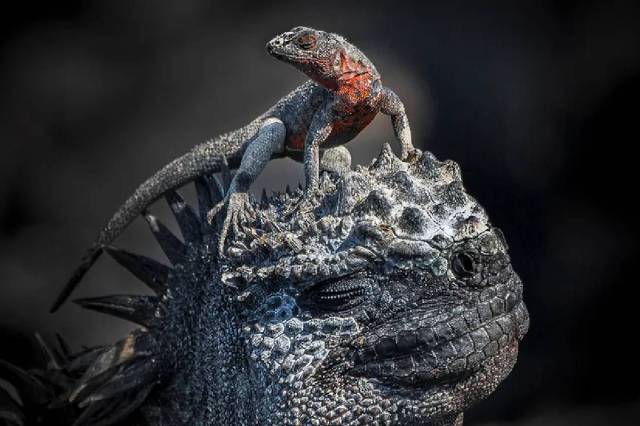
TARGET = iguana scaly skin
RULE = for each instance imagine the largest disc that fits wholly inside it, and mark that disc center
(343, 96)
(392, 300)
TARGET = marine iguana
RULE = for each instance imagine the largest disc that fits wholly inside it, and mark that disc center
(391, 301)
(343, 96)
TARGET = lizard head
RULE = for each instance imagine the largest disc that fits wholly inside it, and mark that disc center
(393, 301)
(327, 58)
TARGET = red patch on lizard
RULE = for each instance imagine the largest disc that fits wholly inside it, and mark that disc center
(296, 142)
(354, 87)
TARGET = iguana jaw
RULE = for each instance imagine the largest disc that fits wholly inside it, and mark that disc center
(430, 353)
(424, 366)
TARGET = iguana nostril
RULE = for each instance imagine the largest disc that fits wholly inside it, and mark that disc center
(463, 264)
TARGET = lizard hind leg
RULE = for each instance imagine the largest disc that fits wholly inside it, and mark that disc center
(268, 141)
(336, 160)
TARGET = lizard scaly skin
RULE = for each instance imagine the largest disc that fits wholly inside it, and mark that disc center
(343, 96)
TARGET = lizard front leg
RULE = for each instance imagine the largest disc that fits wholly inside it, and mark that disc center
(318, 132)
(392, 105)
(269, 140)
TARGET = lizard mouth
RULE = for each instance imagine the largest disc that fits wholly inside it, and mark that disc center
(446, 353)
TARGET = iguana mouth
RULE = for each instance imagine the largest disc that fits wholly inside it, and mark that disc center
(432, 355)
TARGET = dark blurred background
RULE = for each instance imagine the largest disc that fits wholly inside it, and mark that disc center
(537, 101)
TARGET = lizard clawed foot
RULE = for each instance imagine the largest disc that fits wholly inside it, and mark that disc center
(304, 205)
(239, 209)
(410, 155)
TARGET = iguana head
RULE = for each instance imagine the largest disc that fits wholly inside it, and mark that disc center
(393, 301)
(326, 58)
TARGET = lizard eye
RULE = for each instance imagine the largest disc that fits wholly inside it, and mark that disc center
(463, 264)
(338, 294)
(306, 41)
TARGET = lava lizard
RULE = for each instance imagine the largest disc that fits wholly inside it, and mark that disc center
(342, 97)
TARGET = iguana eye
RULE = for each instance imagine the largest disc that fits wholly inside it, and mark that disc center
(463, 264)
(338, 294)
(306, 41)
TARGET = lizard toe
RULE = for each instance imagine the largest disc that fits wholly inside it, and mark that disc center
(411, 155)
(211, 214)
(305, 205)
(237, 206)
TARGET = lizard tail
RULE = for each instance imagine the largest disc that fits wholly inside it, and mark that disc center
(202, 159)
